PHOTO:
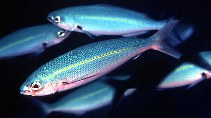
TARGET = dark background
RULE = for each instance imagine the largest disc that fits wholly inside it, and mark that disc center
(151, 66)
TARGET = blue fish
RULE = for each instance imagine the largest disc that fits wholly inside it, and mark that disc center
(189, 73)
(104, 20)
(89, 62)
(33, 39)
(88, 98)
(185, 74)
(82, 100)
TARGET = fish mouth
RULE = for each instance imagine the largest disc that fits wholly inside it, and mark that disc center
(25, 91)
(22, 92)
(28, 92)
(50, 18)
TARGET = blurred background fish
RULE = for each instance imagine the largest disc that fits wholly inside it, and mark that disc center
(33, 39)
(189, 73)
(104, 20)
(86, 99)
(185, 74)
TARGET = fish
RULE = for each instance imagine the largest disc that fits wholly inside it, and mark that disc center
(186, 74)
(81, 100)
(31, 40)
(92, 61)
(104, 19)
(87, 99)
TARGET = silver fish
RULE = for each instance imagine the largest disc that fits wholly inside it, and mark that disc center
(104, 20)
(89, 62)
(33, 39)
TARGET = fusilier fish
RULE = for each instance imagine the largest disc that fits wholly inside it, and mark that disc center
(104, 20)
(189, 73)
(82, 100)
(89, 62)
(33, 39)
(186, 74)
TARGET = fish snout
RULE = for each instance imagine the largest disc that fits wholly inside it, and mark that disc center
(50, 18)
(24, 90)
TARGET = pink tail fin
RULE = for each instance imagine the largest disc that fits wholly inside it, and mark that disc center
(159, 39)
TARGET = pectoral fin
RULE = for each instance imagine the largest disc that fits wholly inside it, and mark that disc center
(137, 56)
(76, 83)
(194, 83)
(85, 32)
(65, 83)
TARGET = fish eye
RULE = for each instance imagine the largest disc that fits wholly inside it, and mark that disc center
(57, 19)
(204, 75)
(61, 33)
(36, 85)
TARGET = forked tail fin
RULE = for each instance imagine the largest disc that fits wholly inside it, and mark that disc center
(159, 39)
(180, 34)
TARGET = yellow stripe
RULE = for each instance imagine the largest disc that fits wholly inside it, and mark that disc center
(84, 62)
(19, 42)
(184, 67)
(110, 19)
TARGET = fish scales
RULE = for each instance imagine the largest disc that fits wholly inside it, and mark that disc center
(88, 59)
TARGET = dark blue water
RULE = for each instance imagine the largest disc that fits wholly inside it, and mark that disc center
(151, 66)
